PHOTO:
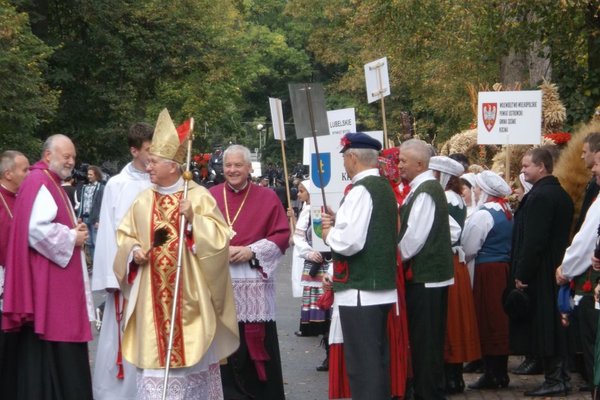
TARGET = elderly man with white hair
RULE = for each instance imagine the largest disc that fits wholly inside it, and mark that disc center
(425, 247)
(487, 239)
(462, 338)
(363, 237)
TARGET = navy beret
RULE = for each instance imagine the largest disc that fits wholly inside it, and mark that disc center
(359, 140)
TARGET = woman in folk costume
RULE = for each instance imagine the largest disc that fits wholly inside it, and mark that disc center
(339, 386)
(462, 337)
(468, 192)
(313, 320)
(487, 240)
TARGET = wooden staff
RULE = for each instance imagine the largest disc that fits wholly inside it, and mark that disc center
(285, 171)
(507, 174)
(380, 93)
(187, 177)
(314, 135)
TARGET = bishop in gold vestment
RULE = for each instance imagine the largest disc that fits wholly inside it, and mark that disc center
(205, 327)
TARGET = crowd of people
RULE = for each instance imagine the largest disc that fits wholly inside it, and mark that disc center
(430, 273)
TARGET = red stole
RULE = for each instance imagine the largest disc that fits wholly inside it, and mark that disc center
(163, 262)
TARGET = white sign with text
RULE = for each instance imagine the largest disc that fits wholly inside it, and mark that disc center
(341, 121)
(509, 117)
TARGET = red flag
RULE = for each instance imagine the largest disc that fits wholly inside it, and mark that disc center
(183, 130)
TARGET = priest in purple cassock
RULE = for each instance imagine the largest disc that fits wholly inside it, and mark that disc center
(47, 295)
(259, 237)
(14, 166)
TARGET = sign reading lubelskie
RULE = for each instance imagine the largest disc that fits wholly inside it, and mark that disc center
(509, 117)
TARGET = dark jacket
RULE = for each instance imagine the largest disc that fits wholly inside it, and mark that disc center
(94, 216)
(540, 237)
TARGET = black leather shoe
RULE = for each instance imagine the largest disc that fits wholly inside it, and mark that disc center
(585, 387)
(530, 366)
(454, 386)
(490, 382)
(548, 390)
(324, 366)
(473, 367)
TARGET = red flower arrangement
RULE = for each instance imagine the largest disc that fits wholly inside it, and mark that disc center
(558, 137)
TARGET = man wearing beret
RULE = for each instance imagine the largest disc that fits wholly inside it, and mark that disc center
(426, 251)
(363, 237)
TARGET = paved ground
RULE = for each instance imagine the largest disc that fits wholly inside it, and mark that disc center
(300, 356)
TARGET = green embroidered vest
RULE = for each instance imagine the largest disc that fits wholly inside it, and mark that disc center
(374, 267)
(434, 262)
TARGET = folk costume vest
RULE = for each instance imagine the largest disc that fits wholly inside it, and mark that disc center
(374, 267)
(434, 262)
(496, 247)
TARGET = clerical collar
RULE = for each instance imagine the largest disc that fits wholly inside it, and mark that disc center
(170, 189)
(234, 190)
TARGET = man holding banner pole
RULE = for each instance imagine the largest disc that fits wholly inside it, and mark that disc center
(363, 237)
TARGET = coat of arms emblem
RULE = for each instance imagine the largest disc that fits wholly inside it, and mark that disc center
(490, 111)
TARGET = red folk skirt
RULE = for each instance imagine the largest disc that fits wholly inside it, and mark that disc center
(462, 334)
(400, 365)
(489, 282)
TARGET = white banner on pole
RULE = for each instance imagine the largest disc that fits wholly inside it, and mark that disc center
(277, 118)
(509, 117)
(341, 121)
(377, 79)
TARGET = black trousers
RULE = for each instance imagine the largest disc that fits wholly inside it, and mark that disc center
(426, 310)
(587, 316)
(9, 343)
(239, 376)
(52, 370)
(366, 350)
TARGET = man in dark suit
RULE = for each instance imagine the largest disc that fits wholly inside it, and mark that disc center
(540, 237)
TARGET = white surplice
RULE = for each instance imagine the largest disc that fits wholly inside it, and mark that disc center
(119, 193)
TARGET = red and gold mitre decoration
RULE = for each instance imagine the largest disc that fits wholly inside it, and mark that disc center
(170, 142)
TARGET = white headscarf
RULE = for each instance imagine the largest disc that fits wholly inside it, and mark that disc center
(447, 167)
(307, 186)
(491, 184)
(524, 184)
(470, 177)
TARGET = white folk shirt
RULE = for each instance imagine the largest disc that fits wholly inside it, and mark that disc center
(477, 228)
(578, 256)
(348, 237)
(419, 224)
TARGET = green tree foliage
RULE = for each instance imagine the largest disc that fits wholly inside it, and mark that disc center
(122, 61)
(26, 101)
(569, 34)
(90, 68)
(435, 48)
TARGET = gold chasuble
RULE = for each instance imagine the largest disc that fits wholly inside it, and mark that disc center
(206, 310)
